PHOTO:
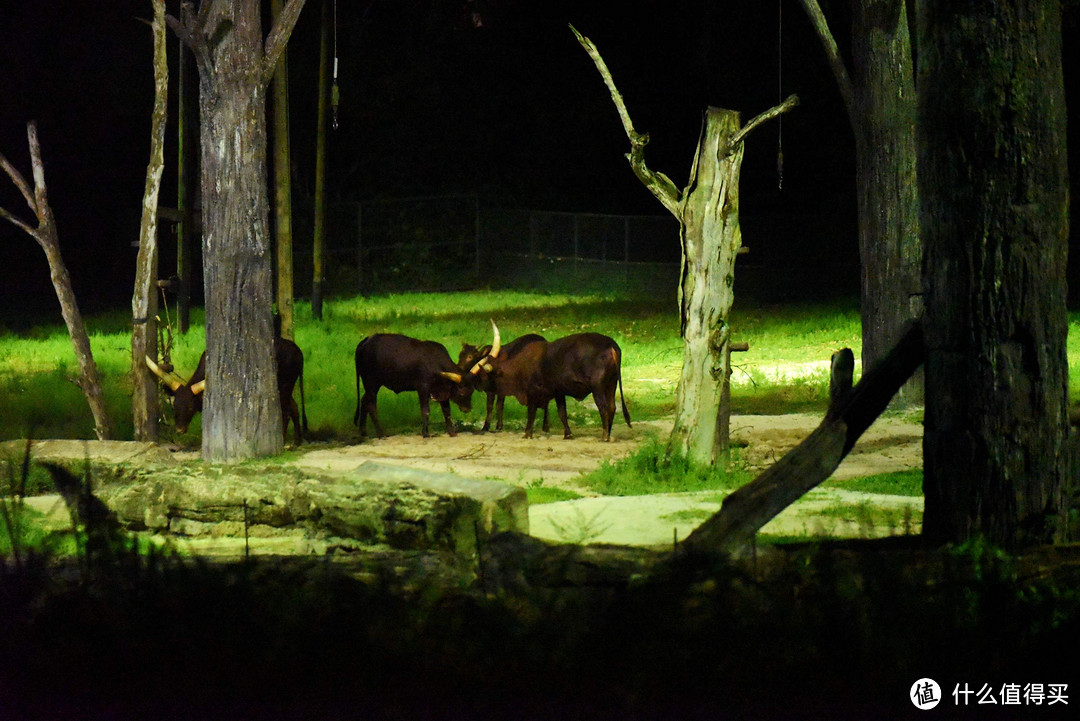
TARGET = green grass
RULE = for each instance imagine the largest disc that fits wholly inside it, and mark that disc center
(650, 470)
(900, 483)
(38, 398)
(784, 371)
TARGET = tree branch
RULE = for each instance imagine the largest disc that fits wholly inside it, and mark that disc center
(850, 413)
(19, 181)
(189, 28)
(278, 38)
(658, 184)
(791, 102)
(832, 52)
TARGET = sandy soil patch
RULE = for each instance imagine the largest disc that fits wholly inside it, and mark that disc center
(892, 444)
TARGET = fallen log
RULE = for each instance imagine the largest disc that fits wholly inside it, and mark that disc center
(851, 411)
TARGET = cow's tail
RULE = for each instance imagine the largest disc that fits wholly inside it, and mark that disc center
(356, 415)
(625, 413)
(303, 407)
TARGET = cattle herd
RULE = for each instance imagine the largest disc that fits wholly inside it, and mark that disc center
(530, 369)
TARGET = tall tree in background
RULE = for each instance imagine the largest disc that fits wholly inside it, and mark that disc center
(319, 239)
(283, 188)
(242, 413)
(993, 184)
(144, 396)
(879, 96)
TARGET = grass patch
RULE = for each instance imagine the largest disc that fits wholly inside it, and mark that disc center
(785, 370)
(898, 483)
(650, 469)
(538, 494)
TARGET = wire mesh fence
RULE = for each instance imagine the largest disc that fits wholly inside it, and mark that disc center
(455, 242)
(451, 242)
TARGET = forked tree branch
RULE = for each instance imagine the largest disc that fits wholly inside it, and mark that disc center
(658, 184)
(278, 38)
(791, 102)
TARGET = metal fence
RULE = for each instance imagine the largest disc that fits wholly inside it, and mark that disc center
(453, 242)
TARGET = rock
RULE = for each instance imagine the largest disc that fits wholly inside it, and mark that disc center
(68, 452)
(374, 503)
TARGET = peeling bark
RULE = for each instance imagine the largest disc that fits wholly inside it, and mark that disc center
(144, 399)
(708, 214)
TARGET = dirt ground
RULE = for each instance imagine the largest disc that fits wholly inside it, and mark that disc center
(893, 443)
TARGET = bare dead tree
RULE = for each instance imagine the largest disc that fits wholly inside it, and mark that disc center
(144, 399)
(46, 235)
(708, 213)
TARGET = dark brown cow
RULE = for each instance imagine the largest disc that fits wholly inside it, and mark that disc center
(188, 397)
(576, 366)
(510, 375)
(401, 363)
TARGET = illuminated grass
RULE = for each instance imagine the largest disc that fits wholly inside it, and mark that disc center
(783, 371)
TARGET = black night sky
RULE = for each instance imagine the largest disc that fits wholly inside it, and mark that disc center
(512, 111)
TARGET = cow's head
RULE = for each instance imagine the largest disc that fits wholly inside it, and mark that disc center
(475, 364)
(186, 397)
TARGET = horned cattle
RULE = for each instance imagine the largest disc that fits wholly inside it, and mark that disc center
(576, 366)
(188, 396)
(517, 362)
(401, 363)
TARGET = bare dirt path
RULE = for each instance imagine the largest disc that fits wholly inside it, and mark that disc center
(892, 443)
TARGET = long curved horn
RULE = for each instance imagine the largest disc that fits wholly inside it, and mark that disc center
(496, 343)
(197, 388)
(170, 380)
(485, 360)
(456, 377)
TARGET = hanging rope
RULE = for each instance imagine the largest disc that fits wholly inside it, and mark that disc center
(779, 94)
(335, 94)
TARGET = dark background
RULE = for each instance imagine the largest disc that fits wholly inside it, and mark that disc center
(494, 98)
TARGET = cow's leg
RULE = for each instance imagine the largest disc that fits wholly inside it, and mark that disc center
(446, 416)
(560, 404)
(605, 403)
(499, 405)
(289, 410)
(545, 425)
(530, 419)
(425, 411)
(487, 417)
(369, 406)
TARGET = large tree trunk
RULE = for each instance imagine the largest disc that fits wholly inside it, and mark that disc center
(711, 238)
(283, 190)
(994, 191)
(48, 238)
(880, 99)
(888, 201)
(242, 415)
(144, 398)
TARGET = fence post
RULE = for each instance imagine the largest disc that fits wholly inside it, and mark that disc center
(360, 248)
(476, 221)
